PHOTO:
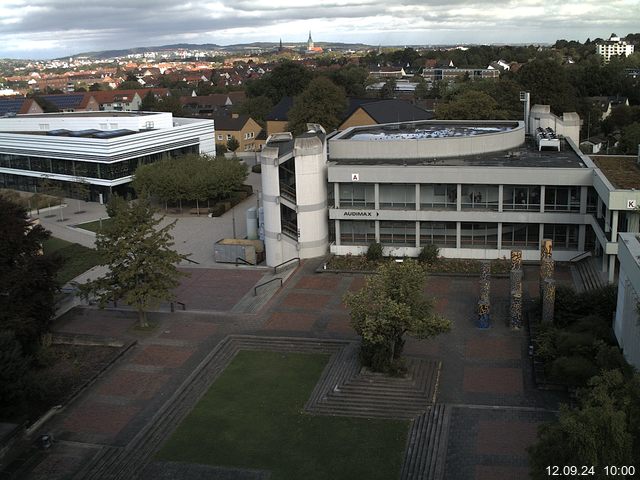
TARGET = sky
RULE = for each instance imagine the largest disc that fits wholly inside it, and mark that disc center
(41, 29)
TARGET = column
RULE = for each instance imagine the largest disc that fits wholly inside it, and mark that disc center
(417, 196)
(583, 199)
(377, 231)
(612, 268)
(417, 234)
(582, 233)
(542, 195)
(376, 196)
(499, 236)
(459, 198)
(336, 194)
(500, 202)
(337, 229)
(458, 230)
(614, 226)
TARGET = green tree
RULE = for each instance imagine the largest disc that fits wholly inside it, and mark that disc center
(321, 102)
(171, 104)
(422, 90)
(352, 78)
(470, 105)
(390, 305)
(80, 191)
(27, 278)
(548, 83)
(602, 430)
(233, 144)
(138, 253)
(287, 79)
(388, 90)
(14, 372)
(149, 103)
(257, 108)
(630, 139)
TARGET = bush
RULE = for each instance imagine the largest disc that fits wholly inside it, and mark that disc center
(571, 306)
(374, 252)
(429, 254)
(257, 168)
(574, 371)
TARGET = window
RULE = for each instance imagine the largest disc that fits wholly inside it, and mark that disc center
(484, 197)
(220, 137)
(398, 196)
(520, 235)
(479, 235)
(398, 233)
(357, 195)
(113, 126)
(43, 126)
(564, 237)
(438, 196)
(562, 199)
(521, 197)
(355, 232)
(229, 137)
(441, 234)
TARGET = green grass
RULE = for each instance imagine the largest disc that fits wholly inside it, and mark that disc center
(252, 417)
(76, 258)
(94, 226)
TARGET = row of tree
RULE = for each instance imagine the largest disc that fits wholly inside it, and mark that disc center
(197, 178)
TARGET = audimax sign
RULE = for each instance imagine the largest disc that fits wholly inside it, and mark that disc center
(360, 213)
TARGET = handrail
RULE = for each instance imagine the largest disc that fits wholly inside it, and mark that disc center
(580, 256)
(189, 260)
(243, 261)
(183, 305)
(255, 289)
(275, 269)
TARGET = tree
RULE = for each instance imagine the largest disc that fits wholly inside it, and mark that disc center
(352, 78)
(233, 144)
(630, 139)
(142, 264)
(149, 103)
(27, 278)
(257, 108)
(602, 430)
(388, 90)
(80, 191)
(321, 102)
(286, 80)
(549, 84)
(470, 105)
(390, 305)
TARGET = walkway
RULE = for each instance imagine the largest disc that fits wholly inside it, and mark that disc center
(487, 409)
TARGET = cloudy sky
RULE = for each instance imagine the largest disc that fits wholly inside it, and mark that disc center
(53, 28)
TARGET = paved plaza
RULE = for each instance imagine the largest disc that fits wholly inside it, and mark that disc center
(485, 378)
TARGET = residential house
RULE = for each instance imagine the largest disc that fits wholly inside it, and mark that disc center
(242, 127)
(375, 112)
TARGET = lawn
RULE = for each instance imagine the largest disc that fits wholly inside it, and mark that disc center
(252, 417)
(95, 225)
(76, 258)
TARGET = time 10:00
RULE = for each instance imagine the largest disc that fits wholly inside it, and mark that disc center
(586, 470)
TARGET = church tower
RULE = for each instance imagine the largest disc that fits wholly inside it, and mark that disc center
(310, 42)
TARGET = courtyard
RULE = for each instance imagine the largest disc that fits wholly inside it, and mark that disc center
(179, 378)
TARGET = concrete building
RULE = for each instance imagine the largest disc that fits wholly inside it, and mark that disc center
(101, 148)
(614, 47)
(626, 325)
(475, 189)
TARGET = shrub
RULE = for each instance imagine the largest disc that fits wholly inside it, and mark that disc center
(374, 252)
(257, 168)
(573, 371)
(429, 254)
(570, 306)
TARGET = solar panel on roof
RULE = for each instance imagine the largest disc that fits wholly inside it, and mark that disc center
(84, 133)
(65, 101)
(10, 106)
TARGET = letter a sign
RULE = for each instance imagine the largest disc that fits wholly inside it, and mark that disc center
(355, 177)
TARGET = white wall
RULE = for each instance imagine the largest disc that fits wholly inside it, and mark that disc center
(626, 324)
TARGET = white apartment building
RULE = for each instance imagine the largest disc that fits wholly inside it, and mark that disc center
(614, 47)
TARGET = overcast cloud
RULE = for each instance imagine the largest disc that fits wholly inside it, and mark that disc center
(53, 28)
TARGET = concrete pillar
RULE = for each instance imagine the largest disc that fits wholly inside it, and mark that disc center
(607, 221)
(377, 231)
(336, 194)
(548, 300)
(376, 195)
(458, 230)
(582, 233)
(500, 200)
(500, 236)
(418, 234)
(542, 200)
(417, 196)
(459, 198)
(583, 199)
(612, 268)
(614, 226)
(337, 229)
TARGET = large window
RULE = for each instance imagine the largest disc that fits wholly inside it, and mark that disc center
(564, 237)
(479, 235)
(398, 233)
(398, 196)
(438, 196)
(357, 195)
(592, 200)
(562, 199)
(521, 197)
(525, 235)
(483, 197)
(441, 234)
(354, 232)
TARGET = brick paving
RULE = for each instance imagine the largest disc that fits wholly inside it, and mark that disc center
(479, 368)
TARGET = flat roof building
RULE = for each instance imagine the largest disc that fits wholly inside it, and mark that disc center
(102, 149)
(476, 189)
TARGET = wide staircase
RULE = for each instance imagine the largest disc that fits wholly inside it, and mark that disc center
(586, 274)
